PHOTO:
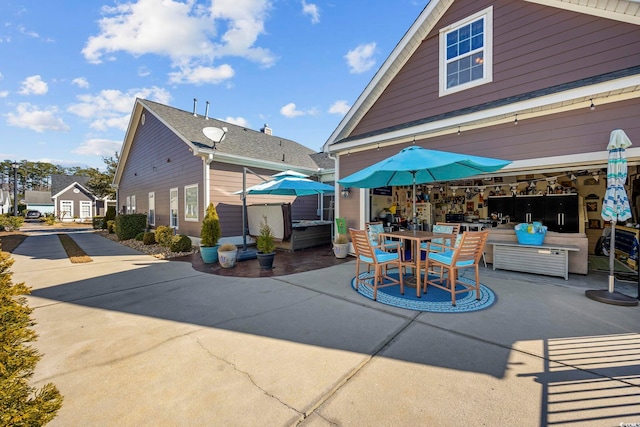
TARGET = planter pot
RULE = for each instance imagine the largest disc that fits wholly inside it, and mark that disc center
(227, 259)
(266, 260)
(341, 250)
(209, 254)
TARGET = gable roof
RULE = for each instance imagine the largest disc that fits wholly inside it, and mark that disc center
(74, 184)
(60, 182)
(609, 88)
(241, 145)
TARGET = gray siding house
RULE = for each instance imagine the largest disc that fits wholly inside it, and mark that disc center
(170, 170)
(72, 201)
(539, 82)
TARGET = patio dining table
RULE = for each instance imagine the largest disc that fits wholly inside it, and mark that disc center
(416, 237)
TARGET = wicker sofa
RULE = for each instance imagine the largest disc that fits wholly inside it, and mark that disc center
(578, 260)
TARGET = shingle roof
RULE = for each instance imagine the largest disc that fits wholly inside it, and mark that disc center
(239, 141)
(60, 182)
(37, 197)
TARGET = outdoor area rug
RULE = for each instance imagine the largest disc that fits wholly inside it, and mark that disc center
(435, 300)
(601, 263)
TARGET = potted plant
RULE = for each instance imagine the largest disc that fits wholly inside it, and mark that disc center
(227, 255)
(266, 246)
(341, 246)
(209, 235)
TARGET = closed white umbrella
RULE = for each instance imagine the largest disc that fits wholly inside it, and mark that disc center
(615, 207)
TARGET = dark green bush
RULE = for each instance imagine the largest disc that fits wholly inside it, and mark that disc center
(164, 235)
(149, 238)
(180, 243)
(140, 236)
(111, 226)
(109, 215)
(21, 404)
(98, 223)
(129, 225)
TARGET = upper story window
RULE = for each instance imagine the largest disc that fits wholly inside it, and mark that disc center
(466, 53)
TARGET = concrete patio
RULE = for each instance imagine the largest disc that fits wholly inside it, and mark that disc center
(132, 340)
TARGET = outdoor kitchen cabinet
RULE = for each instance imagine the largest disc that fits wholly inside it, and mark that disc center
(561, 213)
(501, 206)
(529, 208)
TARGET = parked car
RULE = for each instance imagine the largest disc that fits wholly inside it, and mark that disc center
(31, 214)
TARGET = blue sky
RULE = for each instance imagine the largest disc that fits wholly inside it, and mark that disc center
(70, 70)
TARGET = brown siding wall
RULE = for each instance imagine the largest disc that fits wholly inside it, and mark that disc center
(158, 161)
(535, 47)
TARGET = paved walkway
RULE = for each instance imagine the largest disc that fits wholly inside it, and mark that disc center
(134, 341)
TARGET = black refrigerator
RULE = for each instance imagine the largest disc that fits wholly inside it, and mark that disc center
(561, 213)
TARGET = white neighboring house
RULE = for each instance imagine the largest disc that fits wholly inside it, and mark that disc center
(5, 202)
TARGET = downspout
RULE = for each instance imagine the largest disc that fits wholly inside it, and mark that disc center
(336, 195)
(207, 181)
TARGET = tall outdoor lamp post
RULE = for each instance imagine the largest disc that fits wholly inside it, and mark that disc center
(14, 166)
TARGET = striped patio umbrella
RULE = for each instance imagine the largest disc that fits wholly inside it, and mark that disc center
(615, 207)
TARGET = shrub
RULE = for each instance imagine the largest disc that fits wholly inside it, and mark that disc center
(20, 404)
(50, 220)
(109, 215)
(11, 223)
(265, 242)
(341, 239)
(180, 243)
(227, 247)
(140, 236)
(149, 238)
(111, 226)
(164, 235)
(98, 223)
(129, 225)
(210, 230)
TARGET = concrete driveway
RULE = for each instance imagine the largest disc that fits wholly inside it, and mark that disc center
(131, 340)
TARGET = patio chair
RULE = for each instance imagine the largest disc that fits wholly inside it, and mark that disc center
(466, 254)
(379, 258)
(374, 229)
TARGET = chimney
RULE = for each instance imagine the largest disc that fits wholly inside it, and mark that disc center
(206, 112)
(266, 130)
(195, 102)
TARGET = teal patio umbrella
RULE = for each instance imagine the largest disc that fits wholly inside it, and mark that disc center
(615, 207)
(416, 165)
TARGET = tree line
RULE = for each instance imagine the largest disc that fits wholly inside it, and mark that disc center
(36, 176)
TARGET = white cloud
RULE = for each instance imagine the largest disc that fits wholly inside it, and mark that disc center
(361, 59)
(312, 10)
(239, 121)
(34, 85)
(339, 107)
(201, 75)
(4, 93)
(196, 38)
(98, 147)
(81, 82)
(290, 110)
(112, 108)
(34, 118)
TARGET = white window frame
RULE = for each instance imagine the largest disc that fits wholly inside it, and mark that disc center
(487, 48)
(133, 204)
(85, 205)
(174, 208)
(190, 209)
(62, 210)
(128, 205)
(151, 215)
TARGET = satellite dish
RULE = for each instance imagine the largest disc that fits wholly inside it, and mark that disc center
(216, 135)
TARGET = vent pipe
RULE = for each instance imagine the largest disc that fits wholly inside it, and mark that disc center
(195, 102)
(206, 111)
